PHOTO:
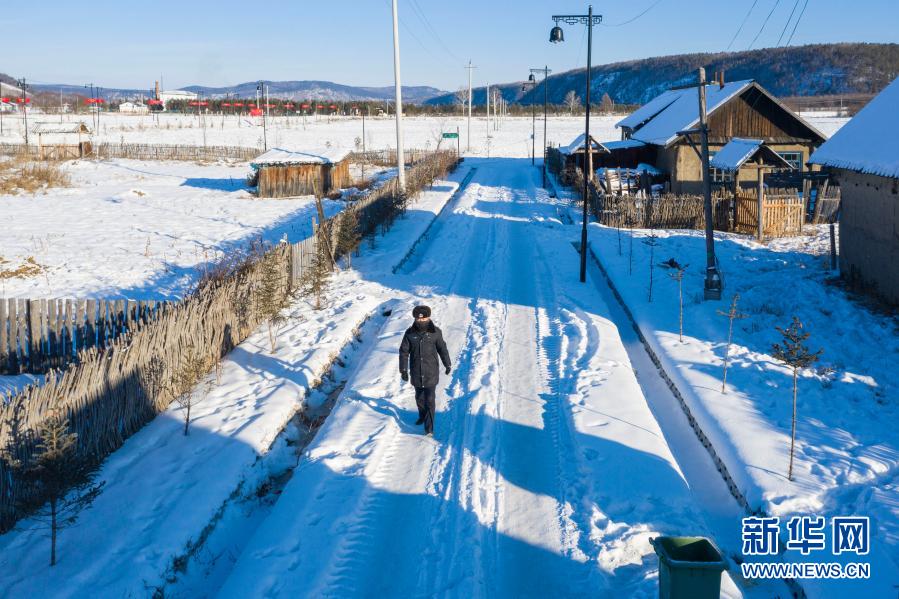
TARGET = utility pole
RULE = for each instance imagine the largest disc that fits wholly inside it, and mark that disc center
(546, 71)
(25, 110)
(712, 278)
(469, 67)
(259, 89)
(97, 104)
(400, 158)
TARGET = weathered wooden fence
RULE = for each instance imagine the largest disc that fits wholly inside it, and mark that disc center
(37, 335)
(174, 152)
(781, 215)
(666, 211)
(112, 391)
(387, 157)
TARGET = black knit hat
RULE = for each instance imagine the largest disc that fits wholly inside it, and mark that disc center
(421, 311)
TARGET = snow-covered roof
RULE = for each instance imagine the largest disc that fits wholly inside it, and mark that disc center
(312, 156)
(869, 143)
(623, 144)
(677, 110)
(578, 145)
(738, 150)
(59, 128)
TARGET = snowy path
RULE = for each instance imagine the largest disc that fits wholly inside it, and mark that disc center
(548, 472)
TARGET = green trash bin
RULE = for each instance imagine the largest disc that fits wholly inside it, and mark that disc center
(689, 567)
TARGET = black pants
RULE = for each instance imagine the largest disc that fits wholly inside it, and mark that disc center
(425, 399)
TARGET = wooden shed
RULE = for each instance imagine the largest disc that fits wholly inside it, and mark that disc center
(653, 134)
(282, 173)
(864, 157)
(60, 141)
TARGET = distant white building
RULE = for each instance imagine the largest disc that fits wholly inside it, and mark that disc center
(178, 94)
(133, 108)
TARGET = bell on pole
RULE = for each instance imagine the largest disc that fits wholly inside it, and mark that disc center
(556, 36)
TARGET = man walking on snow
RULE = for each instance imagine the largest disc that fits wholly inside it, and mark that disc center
(422, 344)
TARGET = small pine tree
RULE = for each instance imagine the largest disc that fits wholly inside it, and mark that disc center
(314, 282)
(62, 480)
(677, 273)
(652, 241)
(794, 353)
(732, 314)
(348, 237)
(193, 367)
(270, 294)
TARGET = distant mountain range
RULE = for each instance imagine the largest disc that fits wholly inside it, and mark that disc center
(792, 71)
(294, 90)
(818, 69)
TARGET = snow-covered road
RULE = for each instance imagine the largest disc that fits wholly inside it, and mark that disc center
(548, 471)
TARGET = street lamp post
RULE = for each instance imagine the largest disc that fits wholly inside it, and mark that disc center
(546, 71)
(532, 83)
(556, 36)
(400, 158)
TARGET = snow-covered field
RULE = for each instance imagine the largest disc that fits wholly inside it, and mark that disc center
(139, 229)
(510, 138)
(847, 454)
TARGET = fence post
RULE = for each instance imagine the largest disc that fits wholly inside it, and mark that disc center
(833, 248)
(761, 204)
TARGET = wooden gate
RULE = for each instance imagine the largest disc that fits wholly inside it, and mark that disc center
(782, 215)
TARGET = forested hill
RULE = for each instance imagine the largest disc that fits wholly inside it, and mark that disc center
(792, 71)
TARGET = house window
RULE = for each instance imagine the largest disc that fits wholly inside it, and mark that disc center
(794, 158)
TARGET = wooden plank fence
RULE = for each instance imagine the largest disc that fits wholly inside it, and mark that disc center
(782, 215)
(139, 152)
(111, 391)
(37, 335)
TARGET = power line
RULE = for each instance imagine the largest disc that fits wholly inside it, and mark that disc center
(411, 32)
(632, 19)
(773, 8)
(424, 19)
(802, 12)
(746, 18)
(787, 24)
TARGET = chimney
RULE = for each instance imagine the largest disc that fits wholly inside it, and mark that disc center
(721, 80)
(157, 90)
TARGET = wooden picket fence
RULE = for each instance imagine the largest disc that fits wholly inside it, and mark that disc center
(782, 215)
(111, 391)
(43, 334)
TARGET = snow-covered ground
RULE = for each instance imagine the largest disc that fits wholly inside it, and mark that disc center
(139, 229)
(847, 453)
(556, 455)
(163, 489)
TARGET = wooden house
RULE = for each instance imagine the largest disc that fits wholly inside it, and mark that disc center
(60, 141)
(653, 134)
(284, 173)
(864, 157)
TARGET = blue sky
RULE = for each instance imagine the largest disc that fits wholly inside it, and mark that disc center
(130, 44)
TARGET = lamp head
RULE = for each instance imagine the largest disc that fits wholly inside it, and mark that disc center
(532, 79)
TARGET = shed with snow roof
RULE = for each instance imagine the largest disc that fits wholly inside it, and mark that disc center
(864, 157)
(282, 173)
(59, 141)
(654, 133)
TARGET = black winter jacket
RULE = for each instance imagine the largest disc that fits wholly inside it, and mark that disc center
(419, 352)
